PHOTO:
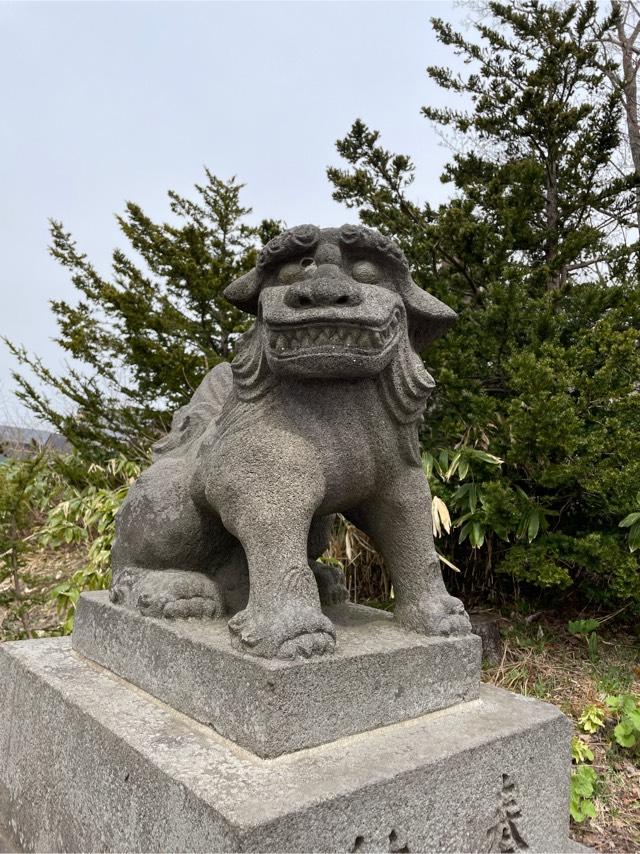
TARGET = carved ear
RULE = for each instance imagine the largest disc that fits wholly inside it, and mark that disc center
(428, 317)
(244, 292)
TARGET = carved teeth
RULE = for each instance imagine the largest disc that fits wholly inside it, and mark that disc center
(362, 338)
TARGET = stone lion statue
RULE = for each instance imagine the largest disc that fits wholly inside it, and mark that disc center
(317, 414)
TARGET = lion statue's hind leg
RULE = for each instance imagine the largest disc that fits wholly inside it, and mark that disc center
(329, 578)
(169, 593)
(164, 553)
(330, 581)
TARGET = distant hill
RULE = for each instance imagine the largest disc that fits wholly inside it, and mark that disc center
(23, 441)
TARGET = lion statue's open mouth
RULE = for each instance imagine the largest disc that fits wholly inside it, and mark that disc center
(311, 338)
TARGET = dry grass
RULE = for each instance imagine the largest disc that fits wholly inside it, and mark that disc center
(33, 613)
(365, 576)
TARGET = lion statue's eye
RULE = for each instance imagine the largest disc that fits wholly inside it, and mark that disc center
(289, 273)
(366, 271)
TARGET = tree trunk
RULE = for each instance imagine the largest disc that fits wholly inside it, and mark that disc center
(628, 50)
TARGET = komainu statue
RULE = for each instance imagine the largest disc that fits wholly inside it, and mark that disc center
(317, 414)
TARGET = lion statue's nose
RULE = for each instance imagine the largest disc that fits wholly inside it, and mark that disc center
(328, 287)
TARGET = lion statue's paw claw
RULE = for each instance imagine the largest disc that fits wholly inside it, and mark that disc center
(439, 615)
(169, 593)
(306, 645)
(299, 632)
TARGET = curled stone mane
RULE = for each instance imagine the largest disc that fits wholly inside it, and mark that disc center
(304, 238)
(360, 237)
(299, 239)
(404, 385)
(251, 373)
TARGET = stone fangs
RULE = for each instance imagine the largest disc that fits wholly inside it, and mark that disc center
(332, 334)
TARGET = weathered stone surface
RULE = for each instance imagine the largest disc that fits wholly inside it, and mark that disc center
(485, 625)
(87, 763)
(379, 674)
(7, 846)
(318, 414)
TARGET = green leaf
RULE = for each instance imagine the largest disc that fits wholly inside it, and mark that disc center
(634, 538)
(633, 715)
(575, 809)
(583, 627)
(453, 465)
(591, 719)
(583, 780)
(621, 703)
(624, 734)
(476, 537)
(473, 497)
(485, 457)
(427, 463)
(580, 751)
(629, 520)
(464, 531)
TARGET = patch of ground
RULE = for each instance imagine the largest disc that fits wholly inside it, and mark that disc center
(542, 659)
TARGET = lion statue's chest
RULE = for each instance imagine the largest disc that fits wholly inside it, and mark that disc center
(339, 430)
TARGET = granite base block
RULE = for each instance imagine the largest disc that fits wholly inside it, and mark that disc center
(378, 675)
(90, 763)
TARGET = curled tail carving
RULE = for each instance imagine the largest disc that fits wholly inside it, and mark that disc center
(191, 420)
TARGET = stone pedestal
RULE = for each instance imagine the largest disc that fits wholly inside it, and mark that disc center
(90, 761)
(378, 675)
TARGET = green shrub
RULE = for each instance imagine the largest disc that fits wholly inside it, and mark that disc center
(86, 516)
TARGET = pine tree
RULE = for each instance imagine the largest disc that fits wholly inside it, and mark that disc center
(142, 339)
(542, 368)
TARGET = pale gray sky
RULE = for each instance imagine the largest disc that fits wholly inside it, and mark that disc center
(115, 101)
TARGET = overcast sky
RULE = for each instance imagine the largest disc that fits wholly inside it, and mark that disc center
(108, 102)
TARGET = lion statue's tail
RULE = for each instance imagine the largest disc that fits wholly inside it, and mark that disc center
(190, 421)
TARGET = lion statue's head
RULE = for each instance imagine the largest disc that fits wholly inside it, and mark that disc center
(330, 304)
(334, 303)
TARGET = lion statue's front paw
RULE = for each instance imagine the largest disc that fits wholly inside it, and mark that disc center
(171, 593)
(298, 631)
(437, 615)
